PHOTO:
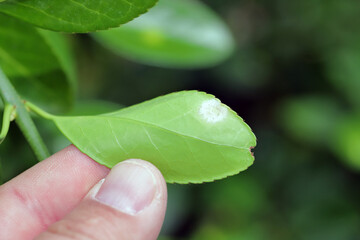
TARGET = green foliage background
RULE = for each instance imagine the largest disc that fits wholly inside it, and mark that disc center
(295, 79)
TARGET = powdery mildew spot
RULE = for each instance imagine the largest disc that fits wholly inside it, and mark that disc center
(213, 111)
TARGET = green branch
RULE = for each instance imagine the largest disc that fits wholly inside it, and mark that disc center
(23, 119)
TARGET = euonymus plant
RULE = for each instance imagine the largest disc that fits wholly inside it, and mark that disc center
(190, 136)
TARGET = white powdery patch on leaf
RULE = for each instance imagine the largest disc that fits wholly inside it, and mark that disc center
(213, 111)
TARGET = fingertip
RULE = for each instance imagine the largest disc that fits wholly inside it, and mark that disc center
(132, 186)
(130, 203)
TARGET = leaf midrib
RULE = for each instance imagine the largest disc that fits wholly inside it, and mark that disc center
(159, 127)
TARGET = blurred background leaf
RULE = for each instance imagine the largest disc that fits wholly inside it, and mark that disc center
(310, 119)
(346, 141)
(178, 34)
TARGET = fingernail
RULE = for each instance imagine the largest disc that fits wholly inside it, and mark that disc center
(130, 187)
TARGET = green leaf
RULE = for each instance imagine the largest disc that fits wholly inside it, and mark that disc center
(76, 15)
(345, 142)
(311, 118)
(175, 33)
(57, 141)
(190, 136)
(38, 63)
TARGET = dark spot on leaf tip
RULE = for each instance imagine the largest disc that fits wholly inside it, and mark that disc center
(250, 149)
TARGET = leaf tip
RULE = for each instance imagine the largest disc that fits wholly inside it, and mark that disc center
(251, 152)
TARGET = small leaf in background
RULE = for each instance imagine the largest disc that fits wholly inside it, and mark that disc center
(311, 119)
(38, 62)
(346, 143)
(190, 136)
(175, 33)
(76, 15)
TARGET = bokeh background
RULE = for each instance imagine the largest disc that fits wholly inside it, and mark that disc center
(294, 76)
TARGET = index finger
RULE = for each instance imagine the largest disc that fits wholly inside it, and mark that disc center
(46, 192)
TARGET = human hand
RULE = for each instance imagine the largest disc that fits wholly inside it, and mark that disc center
(61, 198)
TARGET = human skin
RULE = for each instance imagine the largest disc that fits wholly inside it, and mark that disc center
(64, 197)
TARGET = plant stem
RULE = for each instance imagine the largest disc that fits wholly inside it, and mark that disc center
(8, 111)
(23, 119)
(39, 111)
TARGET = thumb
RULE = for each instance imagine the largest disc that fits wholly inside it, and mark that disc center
(129, 203)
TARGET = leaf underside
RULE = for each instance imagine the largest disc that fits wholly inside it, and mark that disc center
(173, 132)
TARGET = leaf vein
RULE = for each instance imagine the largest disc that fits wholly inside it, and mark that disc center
(196, 160)
(116, 138)
(152, 142)
(92, 10)
(172, 131)
(49, 15)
